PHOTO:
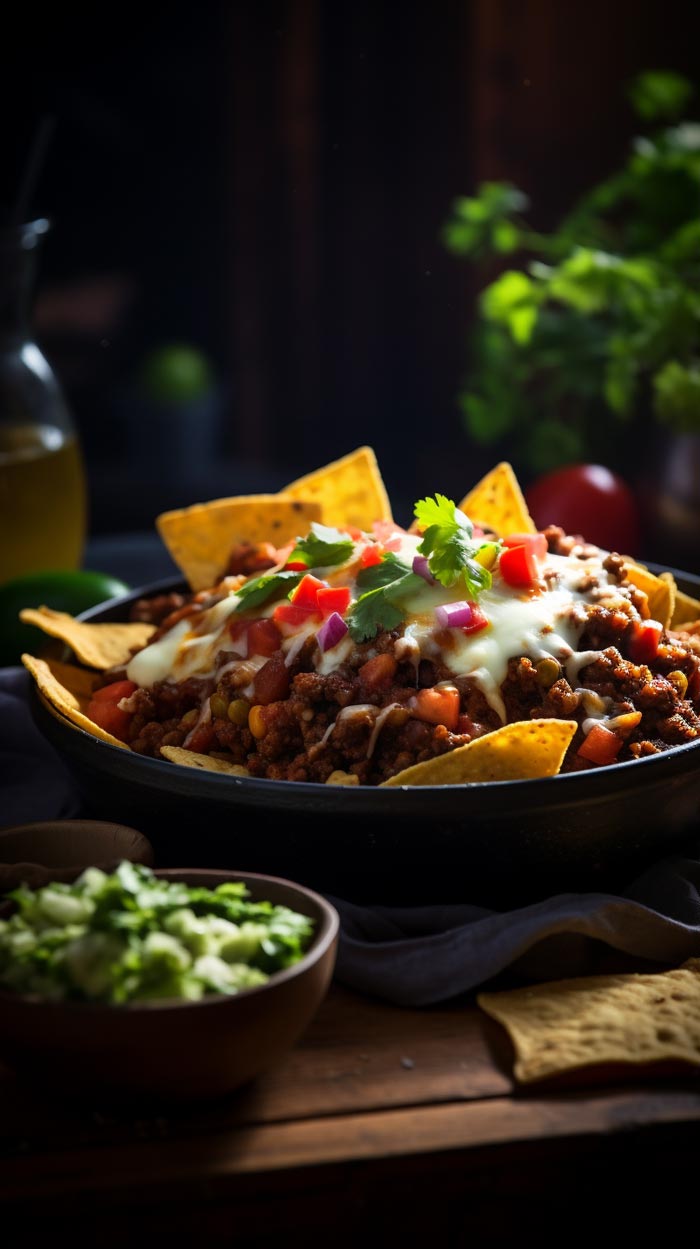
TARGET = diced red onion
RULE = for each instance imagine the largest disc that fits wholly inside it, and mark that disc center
(422, 569)
(454, 615)
(331, 631)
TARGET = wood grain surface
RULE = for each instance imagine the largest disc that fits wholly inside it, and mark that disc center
(408, 1114)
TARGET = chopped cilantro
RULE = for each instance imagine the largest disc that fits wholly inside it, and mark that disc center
(322, 548)
(370, 613)
(376, 608)
(447, 541)
(388, 570)
(270, 585)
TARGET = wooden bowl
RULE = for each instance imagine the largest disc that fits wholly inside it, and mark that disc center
(34, 854)
(172, 1050)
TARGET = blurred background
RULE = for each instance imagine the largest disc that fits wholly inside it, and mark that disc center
(249, 270)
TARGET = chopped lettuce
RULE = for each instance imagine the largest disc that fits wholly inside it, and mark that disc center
(130, 936)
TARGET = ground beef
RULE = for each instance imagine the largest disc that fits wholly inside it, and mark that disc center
(286, 721)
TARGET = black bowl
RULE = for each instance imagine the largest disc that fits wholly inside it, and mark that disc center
(499, 843)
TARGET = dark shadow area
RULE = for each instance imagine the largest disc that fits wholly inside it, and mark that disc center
(266, 186)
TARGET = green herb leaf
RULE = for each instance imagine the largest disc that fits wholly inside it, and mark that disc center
(261, 589)
(385, 584)
(372, 611)
(447, 541)
(389, 569)
(322, 548)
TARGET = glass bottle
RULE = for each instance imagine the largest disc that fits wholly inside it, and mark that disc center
(42, 484)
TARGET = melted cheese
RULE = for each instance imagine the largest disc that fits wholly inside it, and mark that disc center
(538, 624)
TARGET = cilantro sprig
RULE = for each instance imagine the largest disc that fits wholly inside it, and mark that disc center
(323, 547)
(384, 585)
(448, 543)
(270, 585)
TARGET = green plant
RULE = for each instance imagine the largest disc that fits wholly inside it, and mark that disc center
(603, 314)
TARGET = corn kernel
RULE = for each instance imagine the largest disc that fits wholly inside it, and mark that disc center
(680, 681)
(256, 722)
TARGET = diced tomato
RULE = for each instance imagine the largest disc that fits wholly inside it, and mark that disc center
(334, 598)
(600, 745)
(295, 565)
(306, 593)
(201, 739)
(294, 615)
(644, 642)
(478, 621)
(517, 567)
(104, 711)
(378, 671)
(352, 531)
(372, 554)
(439, 705)
(263, 637)
(535, 542)
(115, 692)
(384, 529)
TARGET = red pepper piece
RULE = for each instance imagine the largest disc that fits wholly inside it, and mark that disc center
(644, 642)
(478, 621)
(306, 593)
(334, 598)
(372, 554)
(600, 745)
(517, 567)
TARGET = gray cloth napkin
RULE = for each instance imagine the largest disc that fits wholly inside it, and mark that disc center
(417, 956)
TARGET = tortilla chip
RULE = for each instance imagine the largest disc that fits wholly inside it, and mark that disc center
(521, 751)
(629, 1019)
(350, 491)
(660, 591)
(497, 502)
(100, 646)
(207, 763)
(342, 778)
(686, 610)
(200, 538)
(68, 702)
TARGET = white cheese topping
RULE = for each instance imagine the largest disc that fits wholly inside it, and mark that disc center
(538, 624)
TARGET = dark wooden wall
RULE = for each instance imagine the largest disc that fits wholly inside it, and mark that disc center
(352, 127)
(271, 180)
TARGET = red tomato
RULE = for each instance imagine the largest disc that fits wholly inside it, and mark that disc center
(517, 566)
(437, 706)
(600, 745)
(115, 692)
(588, 499)
(306, 593)
(644, 642)
(336, 598)
(293, 615)
(371, 555)
(104, 711)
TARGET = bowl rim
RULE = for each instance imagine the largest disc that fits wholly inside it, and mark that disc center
(323, 939)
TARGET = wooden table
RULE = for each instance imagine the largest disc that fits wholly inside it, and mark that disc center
(385, 1125)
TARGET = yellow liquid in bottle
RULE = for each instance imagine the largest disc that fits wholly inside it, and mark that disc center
(42, 500)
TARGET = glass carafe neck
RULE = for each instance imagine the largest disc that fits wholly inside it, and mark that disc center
(19, 246)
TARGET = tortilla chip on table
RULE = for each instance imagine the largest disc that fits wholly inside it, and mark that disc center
(609, 1022)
